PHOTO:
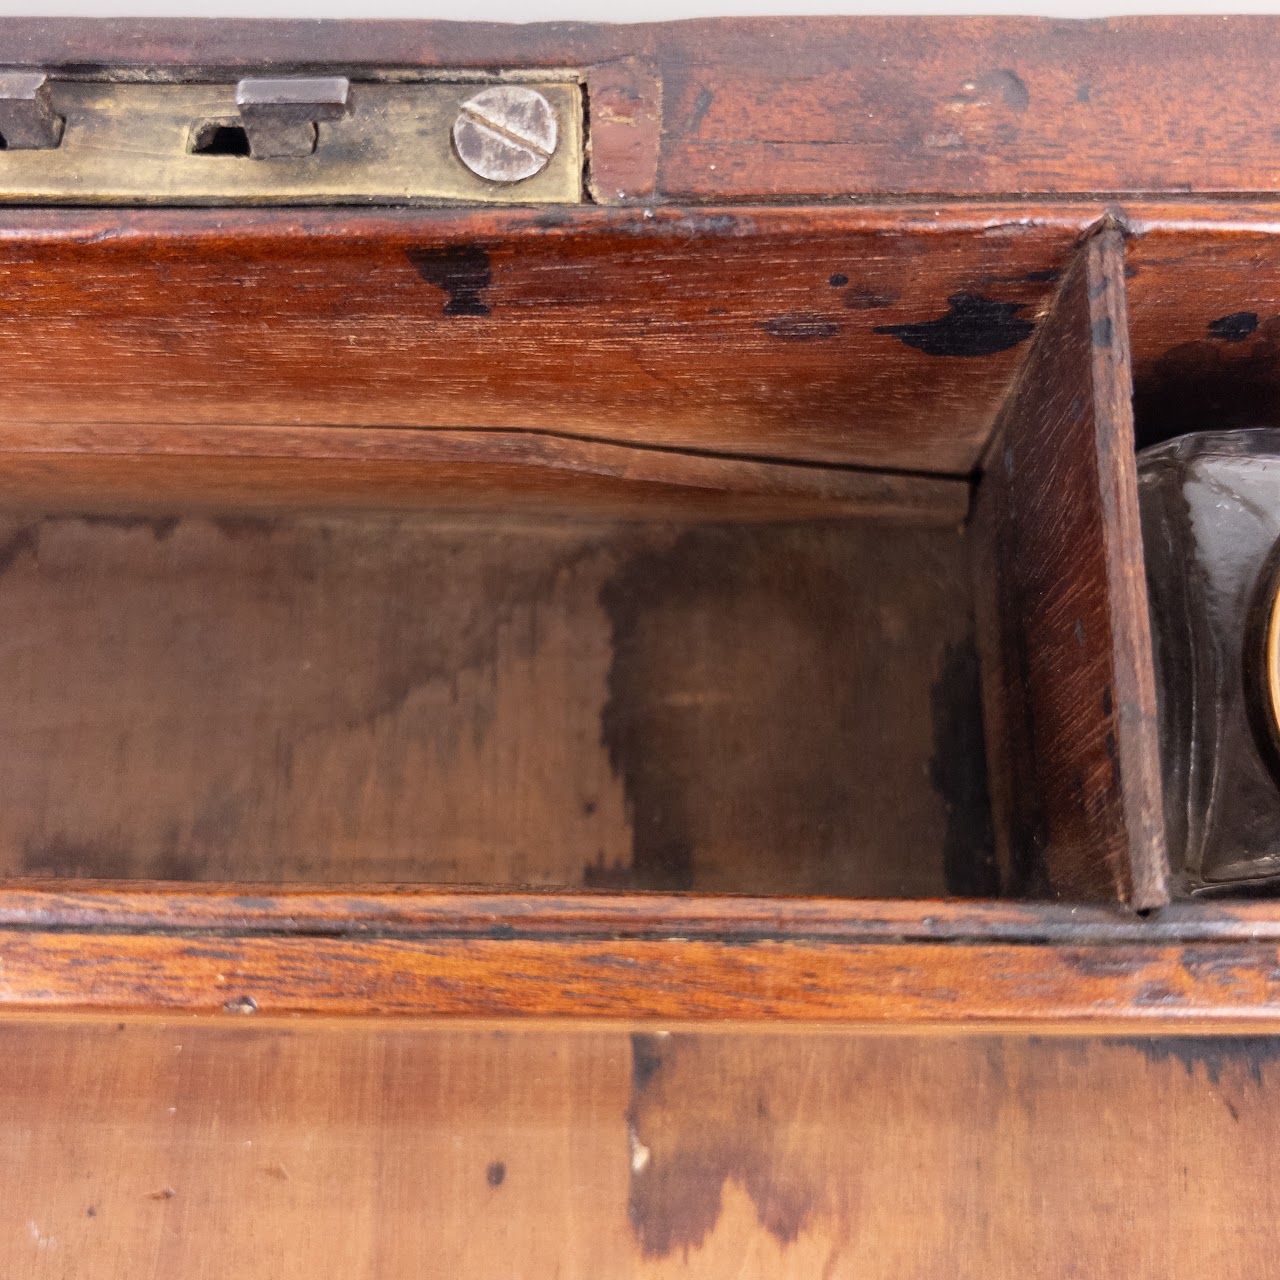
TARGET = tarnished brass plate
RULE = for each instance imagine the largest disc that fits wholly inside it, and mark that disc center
(133, 144)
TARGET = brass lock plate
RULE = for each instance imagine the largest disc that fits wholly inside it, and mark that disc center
(184, 144)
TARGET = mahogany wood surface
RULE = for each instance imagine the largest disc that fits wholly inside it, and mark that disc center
(1205, 307)
(1069, 688)
(409, 912)
(884, 338)
(489, 545)
(638, 960)
(140, 468)
(776, 108)
(307, 1151)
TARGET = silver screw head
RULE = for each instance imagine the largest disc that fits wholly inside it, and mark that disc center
(506, 133)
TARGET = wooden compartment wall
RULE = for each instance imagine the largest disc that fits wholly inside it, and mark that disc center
(702, 566)
(682, 598)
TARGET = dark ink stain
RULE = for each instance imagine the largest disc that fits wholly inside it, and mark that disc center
(1226, 382)
(800, 326)
(161, 527)
(859, 298)
(1049, 275)
(838, 280)
(1111, 746)
(77, 859)
(496, 1174)
(1215, 1054)
(1236, 327)
(770, 613)
(701, 105)
(1108, 703)
(171, 863)
(1083, 92)
(1103, 332)
(702, 1128)
(462, 271)
(608, 875)
(235, 527)
(22, 541)
(646, 1060)
(91, 1212)
(974, 326)
(958, 772)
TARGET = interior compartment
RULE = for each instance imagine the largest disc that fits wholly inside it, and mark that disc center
(256, 630)
(1206, 353)
(764, 707)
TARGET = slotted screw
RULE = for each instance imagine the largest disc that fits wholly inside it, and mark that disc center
(506, 133)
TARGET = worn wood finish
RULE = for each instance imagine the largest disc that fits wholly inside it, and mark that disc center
(1221, 987)
(1205, 314)
(411, 913)
(883, 339)
(762, 109)
(308, 1152)
(782, 707)
(1070, 691)
(143, 468)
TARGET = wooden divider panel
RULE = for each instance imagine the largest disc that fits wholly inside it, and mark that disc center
(1070, 690)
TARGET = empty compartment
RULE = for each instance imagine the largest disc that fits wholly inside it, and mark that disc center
(765, 706)
(509, 651)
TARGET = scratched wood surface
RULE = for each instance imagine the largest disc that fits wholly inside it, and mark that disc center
(824, 335)
(1069, 688)
(781, 707)
(775, 108)
(187, 1149)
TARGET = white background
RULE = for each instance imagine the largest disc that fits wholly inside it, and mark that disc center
(603, 10)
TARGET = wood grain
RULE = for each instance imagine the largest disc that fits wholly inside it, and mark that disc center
(414, 913)
(624, 106)
(277, 1153)
(884, 339)
(141, 468)
(1205, 307)
(492, 700)
(1221, 986)
(762, 109)
(1070, 690)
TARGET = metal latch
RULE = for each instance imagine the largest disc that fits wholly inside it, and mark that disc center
(289, 140)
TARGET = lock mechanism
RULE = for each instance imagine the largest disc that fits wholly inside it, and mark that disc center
(281, 116)
(289, 140)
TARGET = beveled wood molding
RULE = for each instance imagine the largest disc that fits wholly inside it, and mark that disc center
(636, 958)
